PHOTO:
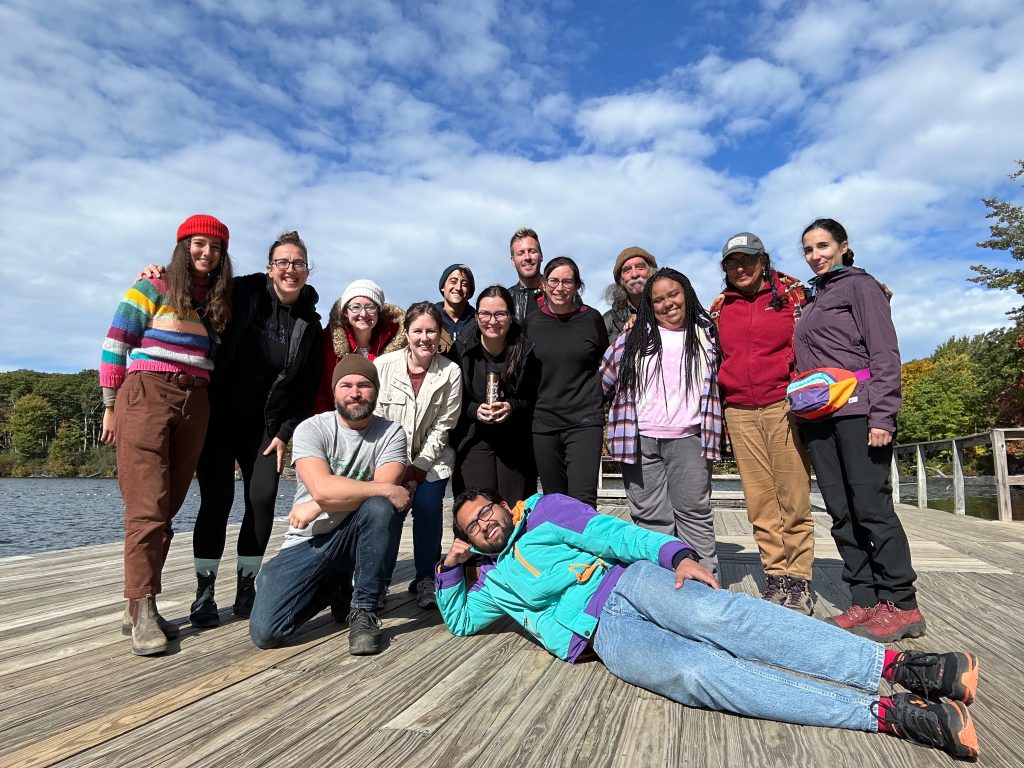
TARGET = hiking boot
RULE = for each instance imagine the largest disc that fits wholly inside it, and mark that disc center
(364, 635)
(425, 593)
(889, 624)
(203, 612)
(169, 628)
(774, 588)
(944, 725)
(933, 675)
(148, 639)
(245, 595)
(341, 603)
(798, 595)
(853, 616)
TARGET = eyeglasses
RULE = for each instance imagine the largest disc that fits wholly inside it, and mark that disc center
(283, 265)
(363, 309)
(745, 259)
(554, 282)
(483, 515)
(486, 317)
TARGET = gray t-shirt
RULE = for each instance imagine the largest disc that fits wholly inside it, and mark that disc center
(355, 454)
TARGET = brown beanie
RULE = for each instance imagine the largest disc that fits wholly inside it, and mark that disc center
(353, 362)
(630, 253)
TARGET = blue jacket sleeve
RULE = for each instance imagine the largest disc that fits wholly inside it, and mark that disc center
(465, 612)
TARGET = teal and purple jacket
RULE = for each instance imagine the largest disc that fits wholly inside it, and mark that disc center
(554, 575)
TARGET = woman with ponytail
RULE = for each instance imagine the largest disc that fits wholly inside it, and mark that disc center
(665, 421)
(756, 314)
(848, 325)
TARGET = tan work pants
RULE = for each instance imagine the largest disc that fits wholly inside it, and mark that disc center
(776, 483)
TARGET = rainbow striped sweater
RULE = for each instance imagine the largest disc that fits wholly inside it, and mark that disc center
(147, 335)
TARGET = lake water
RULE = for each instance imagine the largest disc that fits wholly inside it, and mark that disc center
(43, 514)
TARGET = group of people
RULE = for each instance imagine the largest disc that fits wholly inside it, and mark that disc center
(202, 370)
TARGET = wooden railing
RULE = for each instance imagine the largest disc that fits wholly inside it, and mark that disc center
(1003, 479)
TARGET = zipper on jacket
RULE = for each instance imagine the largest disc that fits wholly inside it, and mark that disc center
(521, 559)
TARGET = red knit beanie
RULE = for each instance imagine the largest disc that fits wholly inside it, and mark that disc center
(203, 224)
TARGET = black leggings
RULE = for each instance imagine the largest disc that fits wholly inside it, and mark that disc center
(507, 469)
(568, 462)
(854, 482)
(241, 439)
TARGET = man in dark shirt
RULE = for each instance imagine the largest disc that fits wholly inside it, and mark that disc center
(527, 258)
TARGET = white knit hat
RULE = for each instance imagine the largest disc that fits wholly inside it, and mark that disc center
(366, 288)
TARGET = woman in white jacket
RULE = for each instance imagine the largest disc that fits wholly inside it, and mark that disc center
(422, 391)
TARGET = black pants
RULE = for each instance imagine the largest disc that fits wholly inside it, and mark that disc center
(854, 482)
(229, 439)
(568, 462)
(507, 468)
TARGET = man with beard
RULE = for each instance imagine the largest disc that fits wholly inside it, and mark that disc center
(632, 268)
(349, 465)
(581, 582)
(527, 259)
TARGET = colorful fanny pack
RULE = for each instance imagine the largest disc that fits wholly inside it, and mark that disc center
(821, 392)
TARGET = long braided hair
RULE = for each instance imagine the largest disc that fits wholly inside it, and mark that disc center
(644, 340)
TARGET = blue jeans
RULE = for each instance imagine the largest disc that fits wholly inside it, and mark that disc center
(303, 578)
(427, 523)
(709, 648)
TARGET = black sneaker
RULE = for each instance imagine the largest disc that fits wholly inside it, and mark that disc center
(245, 595)
(203, 612)
(364, 635)
(944, 725)
(933, 675)
(341, 603)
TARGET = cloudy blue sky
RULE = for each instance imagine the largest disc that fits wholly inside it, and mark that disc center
(401, 137)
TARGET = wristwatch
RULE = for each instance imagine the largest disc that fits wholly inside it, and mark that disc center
(691, 554)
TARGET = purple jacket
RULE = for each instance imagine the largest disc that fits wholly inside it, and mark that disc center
(847, 324)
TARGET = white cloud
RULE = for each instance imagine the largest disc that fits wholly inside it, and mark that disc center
(632, 120)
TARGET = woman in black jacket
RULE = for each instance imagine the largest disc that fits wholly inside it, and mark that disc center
(267, 373)
(493, 443)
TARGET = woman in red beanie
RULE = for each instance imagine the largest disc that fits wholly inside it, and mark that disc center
(154, 370)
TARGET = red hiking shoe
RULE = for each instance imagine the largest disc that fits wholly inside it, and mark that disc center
(889, 624)
(853, 616)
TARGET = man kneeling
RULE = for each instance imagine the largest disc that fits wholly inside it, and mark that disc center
(577, 580)
(349, 465)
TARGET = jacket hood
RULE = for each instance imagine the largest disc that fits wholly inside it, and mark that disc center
(389, 325)
(304, 306)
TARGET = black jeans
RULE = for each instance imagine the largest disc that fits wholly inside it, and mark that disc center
(229, 440)
(854, 482)
(568, 462)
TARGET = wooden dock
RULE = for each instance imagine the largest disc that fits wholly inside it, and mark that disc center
(71, 693)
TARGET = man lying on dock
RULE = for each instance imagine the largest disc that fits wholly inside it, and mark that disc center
(581, 582)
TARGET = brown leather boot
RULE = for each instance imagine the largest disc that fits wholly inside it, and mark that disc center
(147, 637)
(169, 628)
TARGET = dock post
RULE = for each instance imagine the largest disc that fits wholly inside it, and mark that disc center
(1002, 475)
(922, 478)
(959, 501)
(894, 478)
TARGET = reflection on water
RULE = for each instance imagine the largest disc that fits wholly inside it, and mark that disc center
(42, 514)
(980, 500)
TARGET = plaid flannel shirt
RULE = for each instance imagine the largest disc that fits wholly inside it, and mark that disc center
(623, 433)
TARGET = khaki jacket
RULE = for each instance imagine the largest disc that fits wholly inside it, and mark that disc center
(426, 418)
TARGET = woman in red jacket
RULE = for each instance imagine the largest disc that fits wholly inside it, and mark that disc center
(756, 315)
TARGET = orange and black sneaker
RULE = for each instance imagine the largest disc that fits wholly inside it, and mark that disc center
(945, 725)
(936, 675)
